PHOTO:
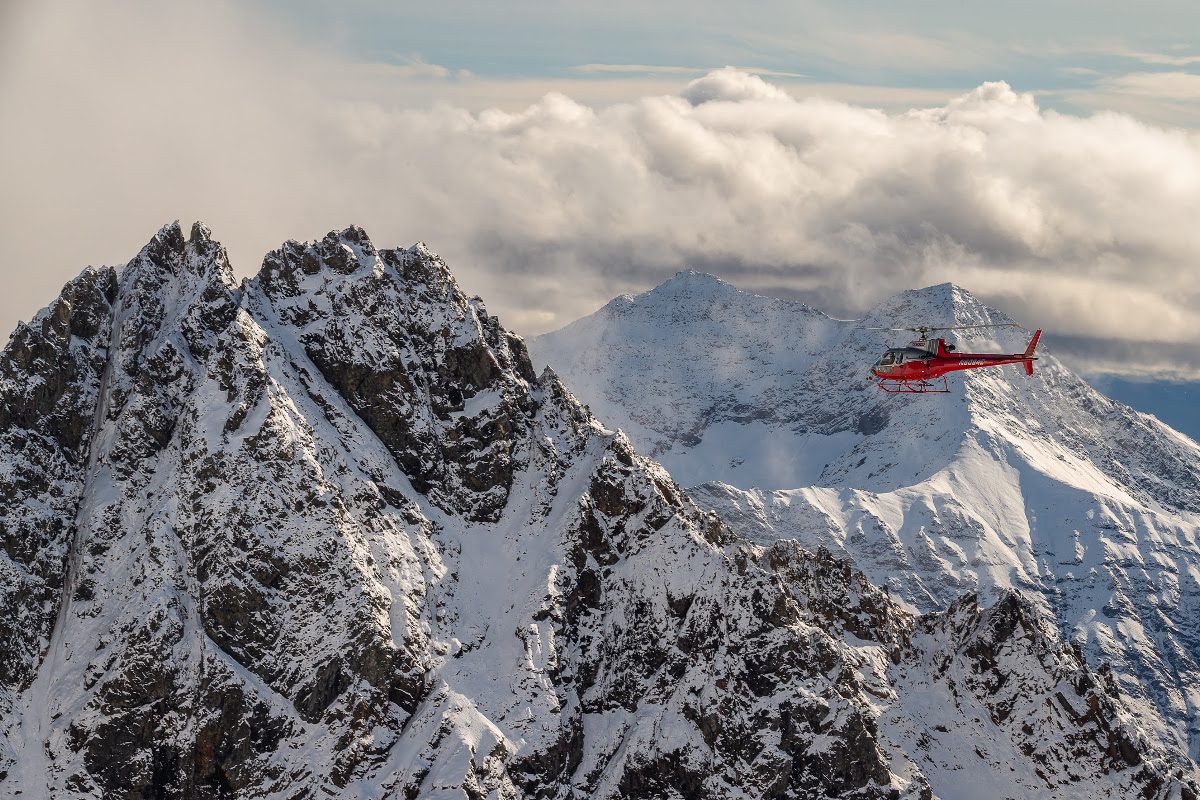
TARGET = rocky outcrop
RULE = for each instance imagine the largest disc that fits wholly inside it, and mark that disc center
(50, 377)
(979, 689)
(415, 356)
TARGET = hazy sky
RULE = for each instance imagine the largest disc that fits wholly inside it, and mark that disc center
(1045, 156)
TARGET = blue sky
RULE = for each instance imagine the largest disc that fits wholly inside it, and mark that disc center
(1177, 404)
(1075, 56)
(1044, 156)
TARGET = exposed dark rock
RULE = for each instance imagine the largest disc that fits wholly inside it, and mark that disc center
(395, 336)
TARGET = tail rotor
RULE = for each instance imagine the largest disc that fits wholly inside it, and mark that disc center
(1029, 356)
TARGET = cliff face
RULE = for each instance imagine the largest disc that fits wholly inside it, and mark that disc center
(50, 377)
(325, 533)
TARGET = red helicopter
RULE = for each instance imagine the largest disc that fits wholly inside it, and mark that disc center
(913, 369)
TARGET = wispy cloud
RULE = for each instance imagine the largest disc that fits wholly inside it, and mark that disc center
(1161, 59)
(1165, 97)
(649, 69)
(640, 69)
(1170, 85)
(408, 66)
(870, 50)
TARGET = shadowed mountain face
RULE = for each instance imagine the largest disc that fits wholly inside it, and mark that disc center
(1038, 484)
(326, 533)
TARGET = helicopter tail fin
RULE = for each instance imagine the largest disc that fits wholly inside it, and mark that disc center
(1029, 357)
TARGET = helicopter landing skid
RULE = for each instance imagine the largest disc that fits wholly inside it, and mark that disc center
(915, 387)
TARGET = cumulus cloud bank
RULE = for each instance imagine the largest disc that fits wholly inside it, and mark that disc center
(1083, 226)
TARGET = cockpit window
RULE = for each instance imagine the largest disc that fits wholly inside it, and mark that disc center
(888, 359)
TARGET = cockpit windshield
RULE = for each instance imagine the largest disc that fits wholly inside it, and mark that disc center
(899, 355)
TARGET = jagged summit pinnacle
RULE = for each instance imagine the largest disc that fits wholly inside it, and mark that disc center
(688, 285)
(350, 250)
(691, 277)
(946, 293)
(200, 232)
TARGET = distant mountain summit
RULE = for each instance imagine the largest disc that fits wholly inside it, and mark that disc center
(325, 532)
(1038, 484)
(694, 359)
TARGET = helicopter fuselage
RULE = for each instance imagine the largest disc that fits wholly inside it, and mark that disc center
(909, 368)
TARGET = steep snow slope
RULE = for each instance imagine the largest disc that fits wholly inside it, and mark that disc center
(325, 533)
(1039, 484)
(707, 382)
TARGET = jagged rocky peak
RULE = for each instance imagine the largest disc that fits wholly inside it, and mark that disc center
(437, 378)
(44, 347)
(175, 295)
(1006, 666)
(169, 256)
(345, 273)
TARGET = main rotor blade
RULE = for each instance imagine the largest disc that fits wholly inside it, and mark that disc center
(928, 328)
(969, 327)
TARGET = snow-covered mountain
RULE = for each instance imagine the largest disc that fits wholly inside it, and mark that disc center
(325, 533)
(1038, 484)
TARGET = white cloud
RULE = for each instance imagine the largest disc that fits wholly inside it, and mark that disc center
(732, 85)
(1083, 226)
(1170, 85)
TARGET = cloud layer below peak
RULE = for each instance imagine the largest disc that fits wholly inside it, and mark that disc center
(1080, 225)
